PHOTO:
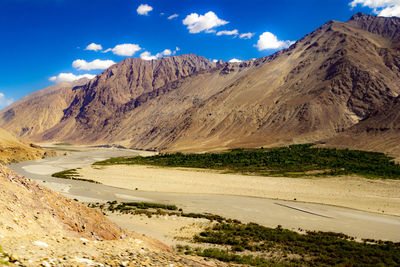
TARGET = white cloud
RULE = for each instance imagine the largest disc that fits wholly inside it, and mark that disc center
(166, 52)
(173, 16)
(197, 23)
(385, 8)
(268, 40)
(233, 32)
(147, 55)
(247, 35)
(393, 11)
(69, 77)
(144, 9)
(94, 47)
(126, 50)
(234, 60)
(4, 102)
(96, 64)
(215, 60)
(176, 50)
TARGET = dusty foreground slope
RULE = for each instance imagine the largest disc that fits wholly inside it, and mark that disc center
(38, 226)
(325, 83)
(12, 150)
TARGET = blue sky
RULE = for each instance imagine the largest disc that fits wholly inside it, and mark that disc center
(41, 39)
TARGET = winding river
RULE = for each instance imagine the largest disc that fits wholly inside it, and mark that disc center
(268, 212)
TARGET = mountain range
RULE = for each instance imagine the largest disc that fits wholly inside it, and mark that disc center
(338, 85)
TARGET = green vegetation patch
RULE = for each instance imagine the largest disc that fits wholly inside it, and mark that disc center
(144, 205)
(73, 175)
(63, 144)
(226, 256)
(150, 209)
(243, 241)
(292, 161)
(232, 241)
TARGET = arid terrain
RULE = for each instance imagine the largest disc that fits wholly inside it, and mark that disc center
(337, 87)
(356, 206)
(381, 196)
(333, 80)
(13, 150)
(41, 227)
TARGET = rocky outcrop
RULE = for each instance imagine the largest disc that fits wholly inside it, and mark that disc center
(13, 150)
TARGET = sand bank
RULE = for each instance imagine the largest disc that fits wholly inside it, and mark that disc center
(378, 195)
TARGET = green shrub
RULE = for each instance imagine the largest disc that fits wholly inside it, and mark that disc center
(315, 248)
(73, 175)
(294, 160)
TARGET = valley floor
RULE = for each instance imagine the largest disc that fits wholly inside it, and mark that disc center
(372, 195)
(355, 206)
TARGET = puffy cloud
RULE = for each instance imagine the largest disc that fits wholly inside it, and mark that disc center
(215, 60)
(233, 32)
(247, 35)
(144, 9)
(385, 8)
(268, 40)
(126, 50)
(197, 23)
(4, 101)
(69, 77)
(173, 16)
(393, 11)
(166, 52)
(94, 47)
(96, 64)
(147, 55)
(234, 60)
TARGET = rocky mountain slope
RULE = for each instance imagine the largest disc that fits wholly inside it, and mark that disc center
(325, 83)
(379, 132)
(13, 150)
(41, 228)
(40, 110)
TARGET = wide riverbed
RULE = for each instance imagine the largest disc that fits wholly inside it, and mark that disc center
(268, 212)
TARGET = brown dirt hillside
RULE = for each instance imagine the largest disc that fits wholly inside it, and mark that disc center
(13, 150)
(40, 110)
(101, 97)
(326, 84)
(39, 227)
(322, 85)
(379, 132)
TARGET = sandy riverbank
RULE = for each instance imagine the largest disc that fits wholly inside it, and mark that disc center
(378, 195)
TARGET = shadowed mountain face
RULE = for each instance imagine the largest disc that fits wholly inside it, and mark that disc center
(386, 27)
(379, 132)
(322, 85)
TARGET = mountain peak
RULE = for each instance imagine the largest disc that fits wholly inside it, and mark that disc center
(325, 83)
(388, 27)
(360, 15)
